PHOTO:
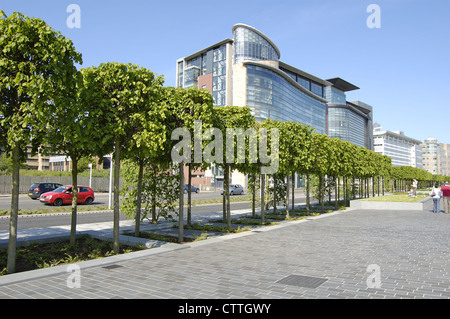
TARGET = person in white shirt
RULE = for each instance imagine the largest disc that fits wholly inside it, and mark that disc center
(436, 194)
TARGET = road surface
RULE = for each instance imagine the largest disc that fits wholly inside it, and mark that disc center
(61, 219)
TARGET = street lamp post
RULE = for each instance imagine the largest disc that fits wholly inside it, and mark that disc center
(90, 174)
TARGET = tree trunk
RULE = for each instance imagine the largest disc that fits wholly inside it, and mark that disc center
(307, 193)
(139, 199)
(287, 195)
(227, 178)
(378, 182)
(116, 243)
(224, 193)
(189, 195)
(275, 184)
(73, 223)
(263, 186)
(11, 263)
(336, 191)
(153, 194)
(322, 192)
(153, 208)
(181, 205)
(253, 196)
(344, 190)
(329, 189)
(293, 192)
(224, 204)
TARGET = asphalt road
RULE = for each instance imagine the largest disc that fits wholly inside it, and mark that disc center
(101, 199)
(60, 219)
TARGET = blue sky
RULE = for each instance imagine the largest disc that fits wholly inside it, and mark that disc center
(402, 68)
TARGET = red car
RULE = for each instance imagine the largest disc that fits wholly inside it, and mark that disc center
(63, 195)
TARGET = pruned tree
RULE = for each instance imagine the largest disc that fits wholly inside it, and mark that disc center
(37, 68)
(235, 121)
(186, 106)
(124, 93)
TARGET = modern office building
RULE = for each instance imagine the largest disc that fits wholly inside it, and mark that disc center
(349, 121)
(403, 150)
(436, 157)
(247, 71)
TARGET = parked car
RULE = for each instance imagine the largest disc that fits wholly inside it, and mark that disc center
(37, 189)
(193, 188)
(235, 189)
(63, 195)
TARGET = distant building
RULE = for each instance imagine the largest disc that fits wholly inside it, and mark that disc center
(403, 150)
(64, 163)
(436, 157)
(38, 161)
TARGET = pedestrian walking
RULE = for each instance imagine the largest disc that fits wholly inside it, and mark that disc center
(446, 197)
(436, 194)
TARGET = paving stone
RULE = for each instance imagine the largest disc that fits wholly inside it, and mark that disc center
(410, 247)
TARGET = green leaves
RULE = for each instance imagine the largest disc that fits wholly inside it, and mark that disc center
(37, 75)
(37, 66)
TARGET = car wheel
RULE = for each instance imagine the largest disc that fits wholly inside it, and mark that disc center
(197, 190)
(242, 192)
(185, 191)
(231, 193)
(89, 201)
(57, 202)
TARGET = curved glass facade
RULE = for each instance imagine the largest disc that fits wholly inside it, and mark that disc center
(251, 46)
(271, 96)
(346, 125)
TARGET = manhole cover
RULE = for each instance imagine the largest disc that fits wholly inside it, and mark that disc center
(302, 281)
(112, 267)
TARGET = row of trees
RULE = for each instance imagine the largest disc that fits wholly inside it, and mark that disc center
(124, 110)
(47, 101)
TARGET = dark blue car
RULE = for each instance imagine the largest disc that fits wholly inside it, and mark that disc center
(193, 188)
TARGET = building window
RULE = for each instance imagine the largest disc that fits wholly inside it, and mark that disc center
(250, 46)
(271, 96)
(219, 76)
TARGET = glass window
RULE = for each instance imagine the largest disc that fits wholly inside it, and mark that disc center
(251, 46)
(197, 61)
(346, 125)
(335, 96)
(304, 82)
(270, 95)
(219, 76)
(317, 89)
(191, 76)
(180, 74)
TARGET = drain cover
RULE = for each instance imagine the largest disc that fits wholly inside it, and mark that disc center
(112, 267)
(302, 281)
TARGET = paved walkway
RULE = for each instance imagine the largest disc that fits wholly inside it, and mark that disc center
(347, 254)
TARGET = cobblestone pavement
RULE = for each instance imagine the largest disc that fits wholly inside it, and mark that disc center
(349, 254)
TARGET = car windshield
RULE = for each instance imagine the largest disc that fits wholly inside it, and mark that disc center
(61, 189)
